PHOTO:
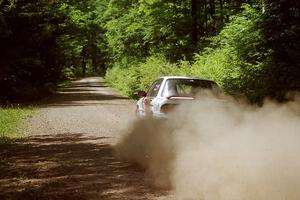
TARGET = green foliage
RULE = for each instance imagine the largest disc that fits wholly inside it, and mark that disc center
(138, 76)
(82, 40)
(237, 59)
(10, 121)
(250, 49)
(232, 60)
(153, 68)
(71, 73)
(43, 42)
(149, 27)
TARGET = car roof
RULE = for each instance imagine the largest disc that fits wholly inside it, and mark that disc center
(184, 77)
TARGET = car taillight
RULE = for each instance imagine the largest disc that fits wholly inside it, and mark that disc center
(145, 104)
(167, 108)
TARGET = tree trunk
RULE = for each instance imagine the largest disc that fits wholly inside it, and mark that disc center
(205, 14)
(83, 67)
(221, 12)
(94, 51)
(83, 60)
(195, 21)
(212, 10)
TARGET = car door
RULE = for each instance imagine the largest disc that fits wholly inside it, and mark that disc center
(151, 95)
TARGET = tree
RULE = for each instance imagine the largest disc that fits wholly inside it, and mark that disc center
(29, 53)
(42, 39)
(282, 36)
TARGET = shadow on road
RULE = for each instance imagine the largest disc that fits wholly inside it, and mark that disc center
(67, 166)
(53, 165)
(100, 83)
(82, 94)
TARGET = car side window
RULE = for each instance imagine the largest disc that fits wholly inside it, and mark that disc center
(153, 91)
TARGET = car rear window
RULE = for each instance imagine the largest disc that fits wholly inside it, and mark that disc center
(187, 87)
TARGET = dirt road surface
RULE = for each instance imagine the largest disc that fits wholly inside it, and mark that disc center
(67, 150)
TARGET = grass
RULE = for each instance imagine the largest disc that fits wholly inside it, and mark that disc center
(10, 121)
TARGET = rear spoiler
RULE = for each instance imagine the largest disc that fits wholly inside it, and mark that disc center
(181, 98)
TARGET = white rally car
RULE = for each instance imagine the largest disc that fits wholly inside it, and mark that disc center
(167, 92)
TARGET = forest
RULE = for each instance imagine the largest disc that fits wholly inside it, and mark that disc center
(251, 48)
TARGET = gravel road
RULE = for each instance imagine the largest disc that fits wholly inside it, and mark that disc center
(86, 107)
(67, 149)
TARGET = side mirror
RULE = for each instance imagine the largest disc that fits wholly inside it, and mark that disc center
(142, 93)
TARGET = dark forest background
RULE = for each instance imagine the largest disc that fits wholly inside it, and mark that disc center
(251, 48)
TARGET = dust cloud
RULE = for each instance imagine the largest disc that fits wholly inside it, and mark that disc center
(220, 150)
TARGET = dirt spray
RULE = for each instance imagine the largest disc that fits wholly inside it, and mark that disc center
(220, 150)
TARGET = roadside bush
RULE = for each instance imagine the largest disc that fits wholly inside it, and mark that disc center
(133, 76)
(70, 73)
(123, 76)
(154, 67)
